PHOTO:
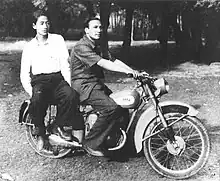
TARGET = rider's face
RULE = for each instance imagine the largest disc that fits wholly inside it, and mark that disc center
(94, 30)
(42, 25)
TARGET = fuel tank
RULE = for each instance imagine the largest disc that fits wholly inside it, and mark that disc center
(126, 98)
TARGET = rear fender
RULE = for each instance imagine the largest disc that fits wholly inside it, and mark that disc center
(150, 113)
(23, 111)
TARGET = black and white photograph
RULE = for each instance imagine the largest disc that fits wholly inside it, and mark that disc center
(109, 90)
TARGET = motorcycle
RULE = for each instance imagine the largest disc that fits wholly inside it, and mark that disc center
(173, 139)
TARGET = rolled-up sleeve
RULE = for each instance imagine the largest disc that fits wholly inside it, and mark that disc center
(25, 71)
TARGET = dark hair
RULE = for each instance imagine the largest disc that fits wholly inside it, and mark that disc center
(86, 23)
(39, 13)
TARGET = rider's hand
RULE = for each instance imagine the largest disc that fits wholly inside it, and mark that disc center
(135, 73)
(145, 74)
(139, 74)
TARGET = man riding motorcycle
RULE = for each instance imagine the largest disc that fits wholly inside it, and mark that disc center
(87, 63)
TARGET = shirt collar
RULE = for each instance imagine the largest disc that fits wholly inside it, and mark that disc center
(45, 43)
(93, 44)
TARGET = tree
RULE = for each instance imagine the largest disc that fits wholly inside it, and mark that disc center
(210, 14)
(105, 8)
(127, 30)
(62, 12)
(12, 13)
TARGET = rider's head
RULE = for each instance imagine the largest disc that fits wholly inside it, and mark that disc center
(93, 28)
(41, 22)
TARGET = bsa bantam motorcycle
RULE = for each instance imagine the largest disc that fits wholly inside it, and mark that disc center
(174, 141)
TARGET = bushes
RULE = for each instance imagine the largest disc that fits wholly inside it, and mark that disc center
(15, 15)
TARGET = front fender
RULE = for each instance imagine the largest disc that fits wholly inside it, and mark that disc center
(23, 111)
(150, 113)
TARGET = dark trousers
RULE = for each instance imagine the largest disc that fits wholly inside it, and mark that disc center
(109, 114)
(52, 88)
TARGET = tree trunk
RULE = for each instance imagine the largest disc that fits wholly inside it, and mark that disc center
(104, 16)
(176, 28)
(212, 39)
(163, 37)
(132, 30)
(127, 31)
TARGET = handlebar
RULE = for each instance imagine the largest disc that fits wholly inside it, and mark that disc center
(142, 75)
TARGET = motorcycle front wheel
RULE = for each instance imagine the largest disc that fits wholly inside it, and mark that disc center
(186, 155)
(48, 151)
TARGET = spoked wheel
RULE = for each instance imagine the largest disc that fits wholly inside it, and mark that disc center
(48, 150)
(186, 155)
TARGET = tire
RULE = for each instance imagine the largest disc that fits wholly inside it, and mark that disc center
(185, 161)
(48, 151)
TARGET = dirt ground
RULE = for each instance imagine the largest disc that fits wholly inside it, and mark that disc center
(196, 84)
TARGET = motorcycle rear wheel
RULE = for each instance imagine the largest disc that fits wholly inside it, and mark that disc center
(184, 158)
(49, 151)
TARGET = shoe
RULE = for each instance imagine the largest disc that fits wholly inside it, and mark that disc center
(40, 143)
(98, 153)
(61, 133)
(75, 142)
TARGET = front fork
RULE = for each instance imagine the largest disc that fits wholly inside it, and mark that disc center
(168, 130)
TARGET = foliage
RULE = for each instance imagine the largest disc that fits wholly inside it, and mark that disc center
(209, 4)
(15, 14)
(12, 13)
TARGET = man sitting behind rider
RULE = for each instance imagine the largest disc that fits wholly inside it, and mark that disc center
(87, 63)
(45, 76)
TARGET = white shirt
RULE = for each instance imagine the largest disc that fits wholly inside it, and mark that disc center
(49, 57)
